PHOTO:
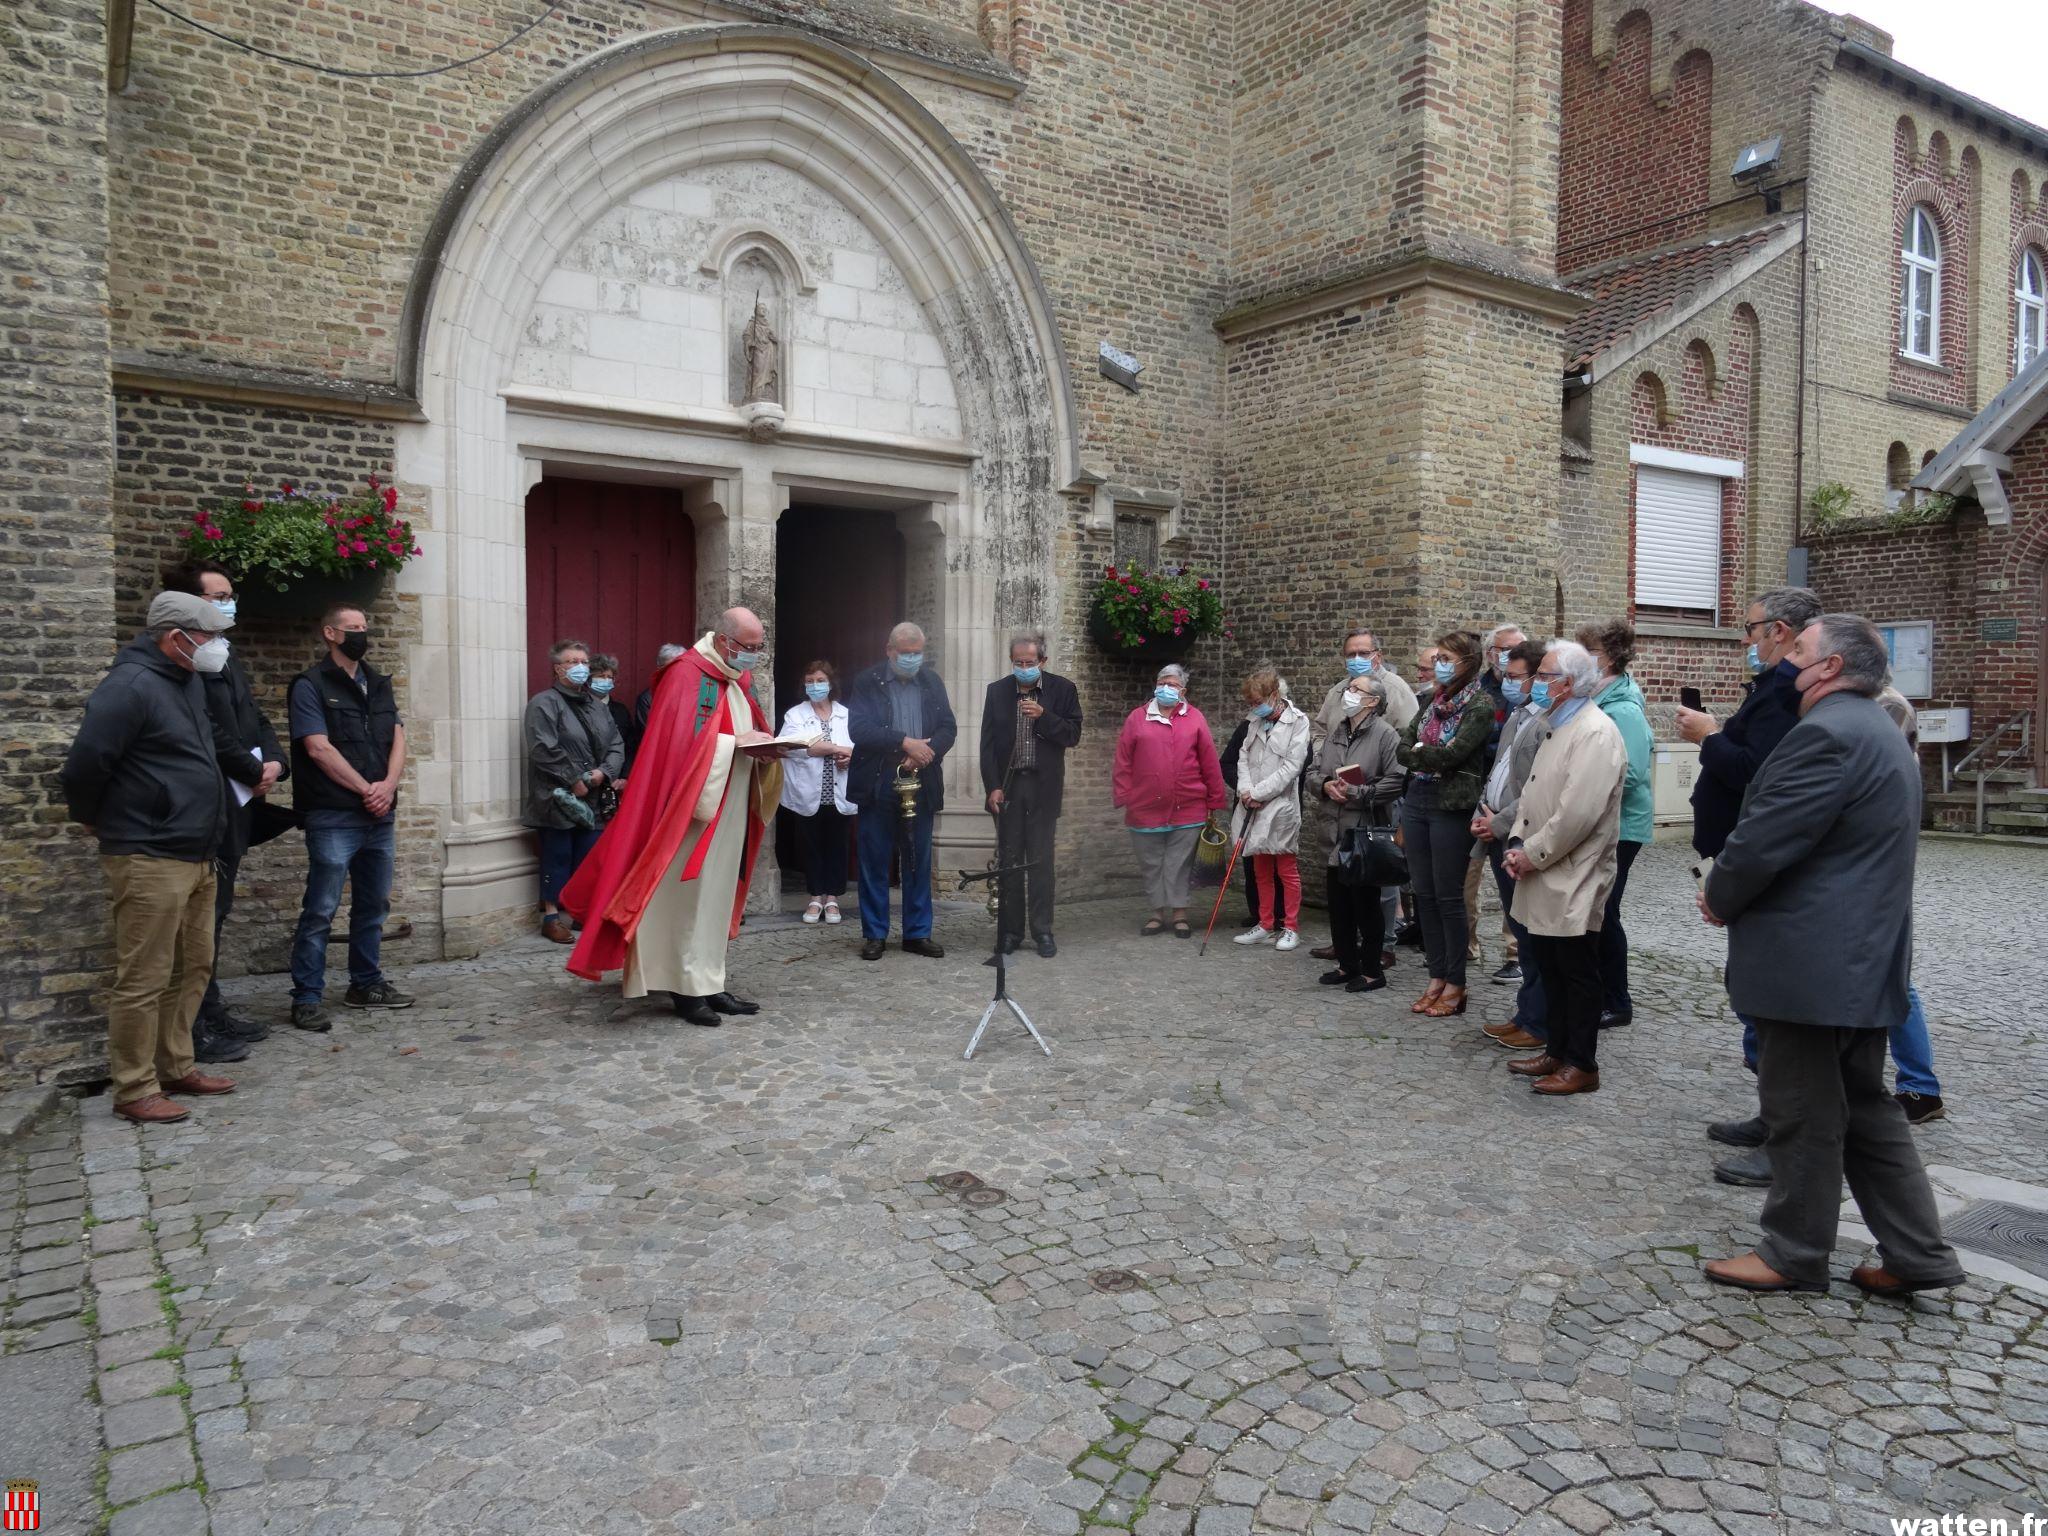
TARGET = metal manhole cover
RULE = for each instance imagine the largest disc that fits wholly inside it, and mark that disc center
(2001, 1230)
(1114, 1280)
(985, 1195)
(957, 1183)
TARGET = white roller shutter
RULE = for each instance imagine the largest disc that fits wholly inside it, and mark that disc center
(1678, 539)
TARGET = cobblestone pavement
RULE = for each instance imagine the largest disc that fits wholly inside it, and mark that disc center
(533, 1258)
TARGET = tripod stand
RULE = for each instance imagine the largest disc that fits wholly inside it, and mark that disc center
(994, 876)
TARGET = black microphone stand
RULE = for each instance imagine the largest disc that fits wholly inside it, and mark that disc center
(994, 876)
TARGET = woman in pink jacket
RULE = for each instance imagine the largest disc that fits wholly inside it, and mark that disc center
(1168, 782)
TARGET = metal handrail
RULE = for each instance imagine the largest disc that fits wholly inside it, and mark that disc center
(2024, 721)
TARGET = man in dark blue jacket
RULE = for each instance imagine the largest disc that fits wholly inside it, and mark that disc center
(143, 778)
(1730, 757)
(899, 717)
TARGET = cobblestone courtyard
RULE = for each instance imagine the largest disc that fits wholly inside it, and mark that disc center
(531, 1258)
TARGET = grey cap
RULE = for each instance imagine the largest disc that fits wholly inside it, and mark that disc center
(181, 610)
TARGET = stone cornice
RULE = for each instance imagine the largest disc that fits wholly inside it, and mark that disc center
(1541, 297)
(136, 373)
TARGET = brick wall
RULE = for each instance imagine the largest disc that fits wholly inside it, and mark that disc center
(177, 453)
(56, 469)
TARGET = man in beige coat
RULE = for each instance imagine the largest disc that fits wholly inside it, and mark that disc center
(1562, 855)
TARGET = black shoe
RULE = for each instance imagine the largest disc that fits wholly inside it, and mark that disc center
(1751, 1169)
(1365, 983)
(1738, 1133)
(695, 1010)
(1511, 972)
(235, 1027)
(379, 994)
(871, 949)
(1920, 1107)
(1012, 942)
(1613, 1020)
(210, 1047)
(733, 1007)
(931, 949)
(1408, 934)
(1046, 948)
(307, 1016)
(1335, 978)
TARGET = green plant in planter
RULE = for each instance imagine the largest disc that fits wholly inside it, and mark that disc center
(1168, 609)
(1829, 507)
(292, 534)
(1934, 507)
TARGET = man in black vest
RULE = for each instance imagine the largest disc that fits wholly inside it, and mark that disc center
(251, 757)
(1028, 721)
(348, 750)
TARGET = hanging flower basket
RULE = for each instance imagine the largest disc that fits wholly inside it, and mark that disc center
(297, 553)
(1157, 615)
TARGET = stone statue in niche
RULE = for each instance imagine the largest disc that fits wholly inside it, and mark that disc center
(763, 351)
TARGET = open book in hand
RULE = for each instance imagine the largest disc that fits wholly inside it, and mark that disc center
(761, 744)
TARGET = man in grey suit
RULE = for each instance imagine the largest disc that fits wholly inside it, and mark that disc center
(1820, 865)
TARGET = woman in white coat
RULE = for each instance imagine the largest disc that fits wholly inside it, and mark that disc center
(814, 789)
(1269, 801)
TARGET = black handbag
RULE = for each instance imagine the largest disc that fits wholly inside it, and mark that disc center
(1370, 856)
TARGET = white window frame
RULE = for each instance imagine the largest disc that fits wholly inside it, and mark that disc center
(1920, 271)
(2030, 294)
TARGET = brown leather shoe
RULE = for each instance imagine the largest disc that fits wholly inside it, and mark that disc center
(1535, 1066)
(1876, 1280)
(156, 1109)
(1324, 952)
(1748, 1272)
(1448, 1005)
(1519, 1040)
(200, 1082)
(1567, 1080)
(556, 930)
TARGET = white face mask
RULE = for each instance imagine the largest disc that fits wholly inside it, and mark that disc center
(210, 657)
(1352, 701)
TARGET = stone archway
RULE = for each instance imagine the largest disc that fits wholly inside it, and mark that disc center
(683, 109)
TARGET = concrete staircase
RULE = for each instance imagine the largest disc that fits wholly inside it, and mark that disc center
(2013, 805)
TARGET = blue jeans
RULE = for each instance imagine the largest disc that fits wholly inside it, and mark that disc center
(875, 831)
(1912, 1050)
(1529, 1012)
(562, 849)
(343, 845)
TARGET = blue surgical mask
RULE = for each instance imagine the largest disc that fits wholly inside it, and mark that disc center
(603, 685)
(1514, 690)
(1262, 711)
(744, 661)
(1358, 666)
(817, 693)
(1165, 697)
(1539, 694)
(909, 665)
(1025, 674)
(1445, 671)
(578, 674)
(1755, 659)
(226, 605)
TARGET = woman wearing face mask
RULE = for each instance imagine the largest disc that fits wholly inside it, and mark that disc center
(604, 682)
(1357, 773)
(573, 751)
(1444, 749)
(1269, 802)
(814, 789)
(1167, 783)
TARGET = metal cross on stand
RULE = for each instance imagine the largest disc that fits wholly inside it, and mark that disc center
(994, 876)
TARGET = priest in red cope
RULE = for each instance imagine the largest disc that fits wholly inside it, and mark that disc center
(662, 892)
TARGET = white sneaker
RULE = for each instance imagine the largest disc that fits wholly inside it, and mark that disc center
(1288, 939)
(831, 913)
(813, 912)
(1253, 936)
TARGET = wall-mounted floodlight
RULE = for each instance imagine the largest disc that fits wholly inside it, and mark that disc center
(1759, 159)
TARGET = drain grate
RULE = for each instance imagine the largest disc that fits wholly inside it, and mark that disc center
(1114, 1281)
(986, 1194)
(956, 1183)
(2001, 1230)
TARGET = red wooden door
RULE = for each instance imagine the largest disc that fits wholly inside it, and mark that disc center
(614, 566)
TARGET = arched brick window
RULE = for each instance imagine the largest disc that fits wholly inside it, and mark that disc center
(1898, 475)
(2030, 320)
(1920, 287)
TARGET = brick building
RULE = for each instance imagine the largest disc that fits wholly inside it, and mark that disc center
(514, 286)
(1767, 361)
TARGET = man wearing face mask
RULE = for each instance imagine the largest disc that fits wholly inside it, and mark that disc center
(348, 752)
(143, 777)
(572, 752)
(900, 718)
(250, 755)
(1029, 720)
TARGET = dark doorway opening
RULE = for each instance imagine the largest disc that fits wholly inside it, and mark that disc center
(612, 565)
(839, 587)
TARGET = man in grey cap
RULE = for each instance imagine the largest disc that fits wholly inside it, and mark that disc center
(142, 776)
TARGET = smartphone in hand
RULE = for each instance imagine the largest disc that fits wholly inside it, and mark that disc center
(1689, 698)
